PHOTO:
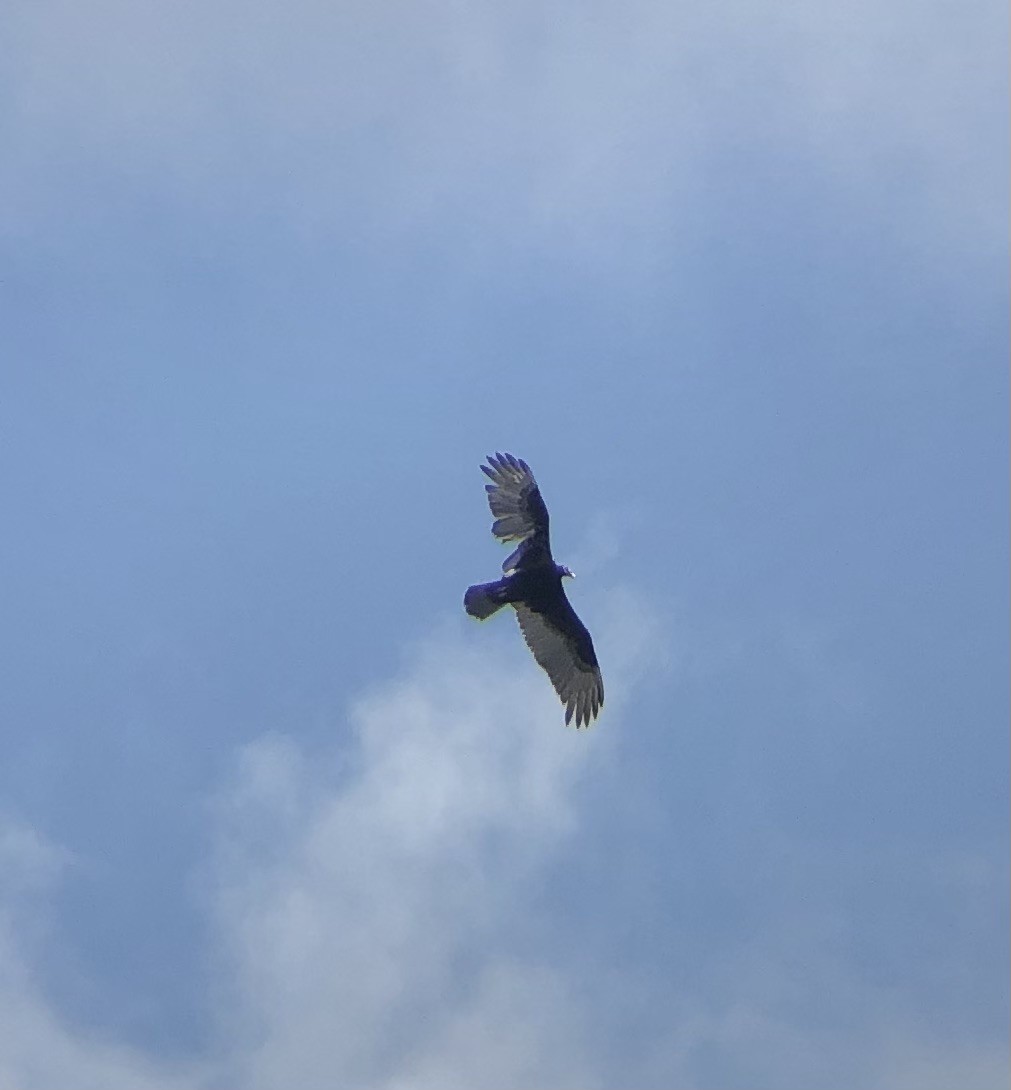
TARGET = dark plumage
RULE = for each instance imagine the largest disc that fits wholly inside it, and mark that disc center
(532, 585)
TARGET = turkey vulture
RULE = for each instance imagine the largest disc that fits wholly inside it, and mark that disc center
(532, 585)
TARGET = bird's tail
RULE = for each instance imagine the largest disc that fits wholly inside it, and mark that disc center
(484, 599)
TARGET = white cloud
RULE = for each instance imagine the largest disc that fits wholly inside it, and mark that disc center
(27, 860)
(367, 908)
(366, 899)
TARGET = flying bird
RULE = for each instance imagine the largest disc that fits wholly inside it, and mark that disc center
(532, 585)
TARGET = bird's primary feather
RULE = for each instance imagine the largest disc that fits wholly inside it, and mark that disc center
(518, 510)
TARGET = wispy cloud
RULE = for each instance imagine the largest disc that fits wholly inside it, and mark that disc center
(567, 126)
(40, 1050)
(368, 899)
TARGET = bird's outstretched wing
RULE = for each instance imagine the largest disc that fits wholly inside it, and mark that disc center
(562, 646)
(518, 509)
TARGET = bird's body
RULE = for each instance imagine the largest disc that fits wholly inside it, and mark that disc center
(532, 585)
(537, 587)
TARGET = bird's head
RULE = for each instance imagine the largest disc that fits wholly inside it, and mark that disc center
(563, 571)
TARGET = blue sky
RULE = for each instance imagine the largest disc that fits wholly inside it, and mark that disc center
(275, 278)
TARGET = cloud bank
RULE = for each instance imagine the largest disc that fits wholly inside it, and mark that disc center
(377, 915)
(565, 124)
